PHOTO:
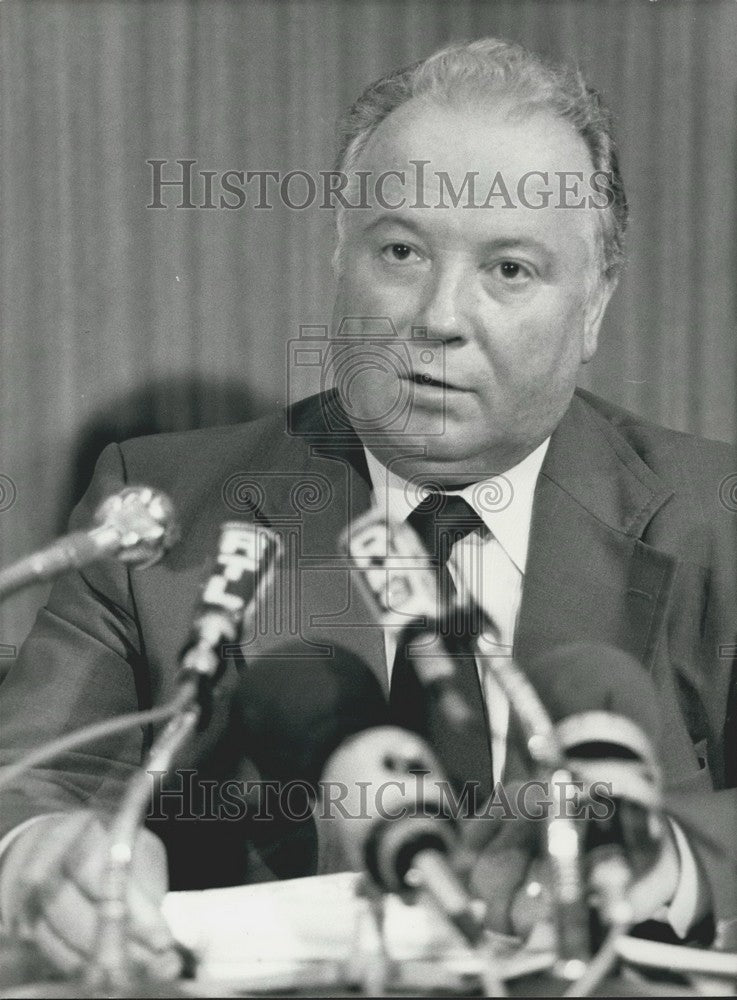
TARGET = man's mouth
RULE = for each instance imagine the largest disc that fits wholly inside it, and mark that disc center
(426, 380)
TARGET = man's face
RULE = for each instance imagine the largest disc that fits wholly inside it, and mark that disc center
(511, 293)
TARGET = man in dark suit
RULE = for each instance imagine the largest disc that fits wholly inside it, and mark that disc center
(478, 249)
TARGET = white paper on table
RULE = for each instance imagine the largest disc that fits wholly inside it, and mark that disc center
(262, 929)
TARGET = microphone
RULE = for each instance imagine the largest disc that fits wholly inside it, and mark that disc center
(136, 526)
(289, 712)
(231, 597)
(589, 676)
(398, 582)
(608, 724)
(229, 601)
(292, 711)
(403, 833)
(396, 575)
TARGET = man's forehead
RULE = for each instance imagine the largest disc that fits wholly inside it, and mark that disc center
(490, 138)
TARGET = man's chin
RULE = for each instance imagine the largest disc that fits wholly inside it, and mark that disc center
(444, 455)
(455, 458)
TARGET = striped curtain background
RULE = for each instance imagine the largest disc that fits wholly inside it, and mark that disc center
(118, 319)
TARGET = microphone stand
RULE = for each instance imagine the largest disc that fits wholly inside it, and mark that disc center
(111, 969)
(76, 550)
(562, 837)
(112, 973)
(136, 526)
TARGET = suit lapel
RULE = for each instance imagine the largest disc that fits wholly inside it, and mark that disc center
(589, 574)
(314, 484)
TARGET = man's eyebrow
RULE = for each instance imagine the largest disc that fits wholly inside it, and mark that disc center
(517, 243)
(392, 218)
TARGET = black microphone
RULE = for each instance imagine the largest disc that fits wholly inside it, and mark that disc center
(609, 725)
(400, 584)
(291, 711)
(590, 676)
(231, 598)
(397, 822)
(136, 526)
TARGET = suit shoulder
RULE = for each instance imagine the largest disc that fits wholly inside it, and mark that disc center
(177, 446)
(299, 417)
(663, 449)
(181, 456)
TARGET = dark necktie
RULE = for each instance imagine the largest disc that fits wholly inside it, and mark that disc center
(465, 752)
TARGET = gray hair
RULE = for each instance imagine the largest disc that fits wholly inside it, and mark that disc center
(494, 67)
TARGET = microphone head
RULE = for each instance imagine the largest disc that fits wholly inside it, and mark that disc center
(591, 677)
(295, 710)
(394, 802)
(396, 575)
(610, 727)
(144, 521)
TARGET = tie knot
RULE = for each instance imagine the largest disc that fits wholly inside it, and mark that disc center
(441, 520)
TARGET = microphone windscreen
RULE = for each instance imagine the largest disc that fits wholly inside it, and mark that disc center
(294, 710)
(609, 722)
(594, 677)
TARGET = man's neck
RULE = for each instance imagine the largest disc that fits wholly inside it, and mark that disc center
(503, 502)
(414, 466)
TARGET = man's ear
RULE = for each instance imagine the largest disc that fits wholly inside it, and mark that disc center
(594, 310)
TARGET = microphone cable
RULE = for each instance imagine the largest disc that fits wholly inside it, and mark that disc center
(50, 751)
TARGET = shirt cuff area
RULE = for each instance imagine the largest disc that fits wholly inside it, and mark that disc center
(690, 901)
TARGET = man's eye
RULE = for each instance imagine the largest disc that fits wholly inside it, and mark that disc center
(512, 272)
(398, 251)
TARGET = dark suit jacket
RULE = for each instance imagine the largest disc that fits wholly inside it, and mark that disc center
(632, 543)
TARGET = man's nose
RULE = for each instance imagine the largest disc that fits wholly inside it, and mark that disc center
(445, 305)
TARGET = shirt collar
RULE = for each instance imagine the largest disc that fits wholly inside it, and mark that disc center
(503, 502)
